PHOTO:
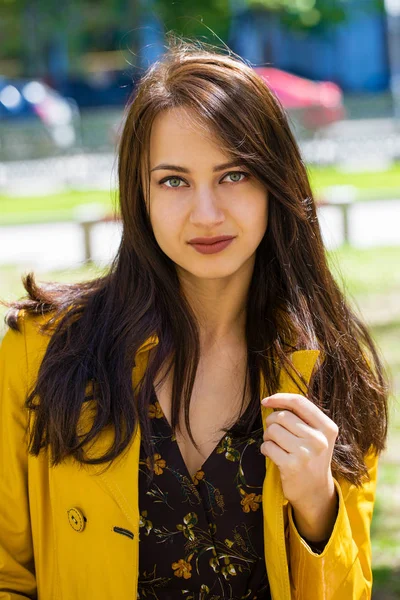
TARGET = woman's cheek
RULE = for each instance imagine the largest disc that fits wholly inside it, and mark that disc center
(167, 229)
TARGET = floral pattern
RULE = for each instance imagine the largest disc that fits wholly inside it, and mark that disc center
(201, 537)
(250, 501)
(155, 411)
(182, 568)
(198, 476)
(159, 464)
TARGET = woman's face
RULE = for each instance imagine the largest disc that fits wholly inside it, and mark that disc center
(194, 192)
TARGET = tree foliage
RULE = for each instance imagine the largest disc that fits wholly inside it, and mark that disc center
(202, 19)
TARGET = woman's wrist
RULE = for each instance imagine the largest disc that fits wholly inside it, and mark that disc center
(315, 521)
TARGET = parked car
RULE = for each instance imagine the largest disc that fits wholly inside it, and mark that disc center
(313, 104)
(101, 88)
(35, 120)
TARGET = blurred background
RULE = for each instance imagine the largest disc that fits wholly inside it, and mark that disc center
(68, 69)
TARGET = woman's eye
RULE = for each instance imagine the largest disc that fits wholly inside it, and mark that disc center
(173, 181)
(236, 176)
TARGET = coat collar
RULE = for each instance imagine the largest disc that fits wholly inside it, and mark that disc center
(148, 344)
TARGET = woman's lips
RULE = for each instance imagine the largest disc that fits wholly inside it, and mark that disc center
(212, 248)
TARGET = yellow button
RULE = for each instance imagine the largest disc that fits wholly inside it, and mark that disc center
(76, 519)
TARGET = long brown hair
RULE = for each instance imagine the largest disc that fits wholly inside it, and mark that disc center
(293, 301)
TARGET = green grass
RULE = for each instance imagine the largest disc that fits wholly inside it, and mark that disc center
(367, 271)
(369, 184)
(56, 207)
(61, 207)
(372, 278)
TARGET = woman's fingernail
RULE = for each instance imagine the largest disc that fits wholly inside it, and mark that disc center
(265, 400)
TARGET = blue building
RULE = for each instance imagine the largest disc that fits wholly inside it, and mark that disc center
(353, 54)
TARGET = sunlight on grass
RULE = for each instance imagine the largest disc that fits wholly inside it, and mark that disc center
(56, 207)
(369, 184)
(367, 271)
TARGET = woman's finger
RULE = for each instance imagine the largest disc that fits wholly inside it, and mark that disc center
(290, 421)
(305, 409)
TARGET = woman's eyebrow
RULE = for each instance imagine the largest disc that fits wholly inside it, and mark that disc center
(177, 168)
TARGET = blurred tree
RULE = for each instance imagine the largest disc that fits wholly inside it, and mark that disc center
(48, 37)
(36, 28)
(204, 19)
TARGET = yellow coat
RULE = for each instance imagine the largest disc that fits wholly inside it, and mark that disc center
(69, 533)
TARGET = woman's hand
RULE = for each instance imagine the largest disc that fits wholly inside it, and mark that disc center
(300, 439)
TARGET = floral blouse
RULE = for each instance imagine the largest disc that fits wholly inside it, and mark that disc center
(201, 538)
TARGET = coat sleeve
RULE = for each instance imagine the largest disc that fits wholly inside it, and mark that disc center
(17, 571)
(343, 569)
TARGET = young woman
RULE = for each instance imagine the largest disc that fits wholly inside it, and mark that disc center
(204, 420)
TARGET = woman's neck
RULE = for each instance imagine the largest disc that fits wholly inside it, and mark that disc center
(220, 307)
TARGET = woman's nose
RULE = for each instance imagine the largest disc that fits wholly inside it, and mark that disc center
(206, 208)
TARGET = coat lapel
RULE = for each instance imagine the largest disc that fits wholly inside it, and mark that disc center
(120, 480)
(274, 502)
